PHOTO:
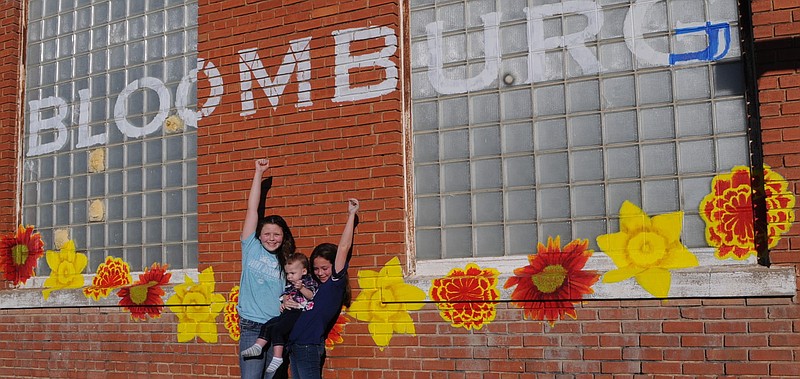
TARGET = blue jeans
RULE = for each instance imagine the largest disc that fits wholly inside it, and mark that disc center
(307, 361)
(255, 367)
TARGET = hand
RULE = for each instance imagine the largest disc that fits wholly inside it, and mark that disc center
(288, 303)
(352, 206)
(262, 165)
(298, 284)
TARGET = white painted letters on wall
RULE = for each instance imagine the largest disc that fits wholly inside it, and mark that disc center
(482, 80)
(345, 62)
(121, 107)
(298, 59)
(85, 137)
(191, 117)
(634, 36)
(38, 125)
(574, 42)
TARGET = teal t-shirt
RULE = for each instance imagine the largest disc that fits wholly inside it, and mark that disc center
(262, 282)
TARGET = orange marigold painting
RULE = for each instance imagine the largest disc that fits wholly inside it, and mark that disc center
(144, 298)
(335, 335)
(111, 274)
(232, 315)
(728, 213)
(20, 253)
(467, 297)
(547, 288)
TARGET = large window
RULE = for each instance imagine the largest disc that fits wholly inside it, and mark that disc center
(109, 148)
(535, 119)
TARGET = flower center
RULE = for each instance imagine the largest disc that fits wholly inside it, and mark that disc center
(646, 248)
(549, 279)
(139, 292)
(19, 254)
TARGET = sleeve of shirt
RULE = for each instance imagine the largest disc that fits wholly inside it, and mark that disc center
(311, 284)
(343, 273)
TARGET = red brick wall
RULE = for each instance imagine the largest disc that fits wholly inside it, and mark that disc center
(776, 26)
(10, 100)
(330, 151)
(319, 155)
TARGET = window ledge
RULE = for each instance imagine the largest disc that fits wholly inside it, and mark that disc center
(30, 294)
(713, 278)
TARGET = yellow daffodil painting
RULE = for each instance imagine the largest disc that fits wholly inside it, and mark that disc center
(111, 274)
(646, 249)
(467, 297)
(384, 302)
(66, 269)
(728, 212)
(197, 307)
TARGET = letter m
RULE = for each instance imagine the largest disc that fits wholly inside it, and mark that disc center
(297, 59)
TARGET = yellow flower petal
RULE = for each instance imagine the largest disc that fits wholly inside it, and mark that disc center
(669, 225)
(656, 281)
(381, 333)
(632, 219)
(615, 246)
(622, 273)
(207, 332)
(679, 257)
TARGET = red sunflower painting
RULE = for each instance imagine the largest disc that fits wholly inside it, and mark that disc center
(554, 280)
(335, 335)
(144, 298)
(467, 297)
(20, 253)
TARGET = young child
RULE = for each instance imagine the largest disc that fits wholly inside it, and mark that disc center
(300, 287)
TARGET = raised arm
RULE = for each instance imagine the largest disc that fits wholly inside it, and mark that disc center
(346, 241)
(251, 218)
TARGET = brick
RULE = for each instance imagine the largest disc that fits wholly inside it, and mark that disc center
(771, 355)
(661, 367)
(620, 367)
(787, 369)
(727, 354)
(747, 368)
(682, 327)
(703, 368)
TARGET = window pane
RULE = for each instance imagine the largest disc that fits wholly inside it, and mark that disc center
(89, 53)
(571, 121)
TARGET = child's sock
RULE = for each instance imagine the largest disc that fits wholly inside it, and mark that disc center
(276, 362)
(252, 351)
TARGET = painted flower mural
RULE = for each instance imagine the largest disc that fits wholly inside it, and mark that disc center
(384, 302)
(728, 213)
(66, 269)
(467, 297)
(144, 298)
(646, 249)
(19, 254)
(335, 335)
(232, 315)
(110, 275)
(197, 307)
(553, 281)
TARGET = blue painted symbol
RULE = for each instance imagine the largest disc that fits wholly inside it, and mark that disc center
(715, 32)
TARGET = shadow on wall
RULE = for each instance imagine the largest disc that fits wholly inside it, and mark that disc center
(777, 54)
